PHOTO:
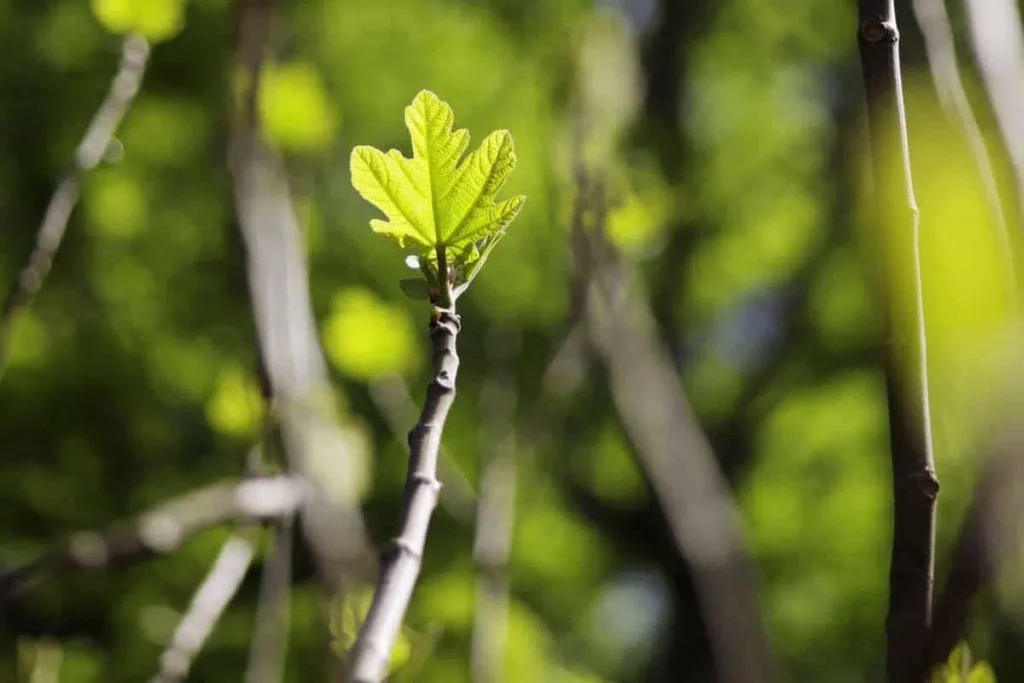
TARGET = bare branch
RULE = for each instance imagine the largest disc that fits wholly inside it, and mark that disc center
(134, 55)
(938, 40)
(675, 455)
(915, 485)
(291, 359)
(270, 640)
(400, 567)
(208, 603)
(998, 40)
(391, 396)
(162, 529)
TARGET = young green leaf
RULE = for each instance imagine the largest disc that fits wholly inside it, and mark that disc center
(439, 199)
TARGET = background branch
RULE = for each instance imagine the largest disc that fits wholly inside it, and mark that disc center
(162, 529)
(134, 55)
(995, 31)
(938, 40)
(208, 603)
(291, 360)
(677, 459)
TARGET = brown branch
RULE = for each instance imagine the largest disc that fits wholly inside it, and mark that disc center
(913, 470)
(400, 567)
(125, 86)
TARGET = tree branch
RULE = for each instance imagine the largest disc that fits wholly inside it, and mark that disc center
(677, 459)
(291, 360)
(162, 529)
(997, 37)
(270, 637)
(915, 485)
(125, 86)
(400, 566)
(208, 603)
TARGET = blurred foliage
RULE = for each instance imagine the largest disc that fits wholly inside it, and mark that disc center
(732, 140)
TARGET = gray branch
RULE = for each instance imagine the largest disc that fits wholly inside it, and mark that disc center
(209, 602)
(163, 529)
(998, 40)
(400, 567)
(134, 55)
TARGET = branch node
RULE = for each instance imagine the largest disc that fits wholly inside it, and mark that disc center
(879, 31)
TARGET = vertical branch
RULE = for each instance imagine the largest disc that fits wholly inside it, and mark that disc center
(938, 40)
(913, 470)
(674, 454)
(998, 40)
(291, 360)
(400, 566)
(134, 55)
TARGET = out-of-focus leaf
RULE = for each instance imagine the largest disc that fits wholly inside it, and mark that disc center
(367, 338)
(296, 112)
(156, 20)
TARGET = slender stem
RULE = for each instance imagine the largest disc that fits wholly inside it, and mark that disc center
(915, 485)
(125, 86)
(269, 644)
(400, 565)
(208, 604)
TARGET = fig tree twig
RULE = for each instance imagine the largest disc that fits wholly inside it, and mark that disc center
(915, 485)
(400, 566)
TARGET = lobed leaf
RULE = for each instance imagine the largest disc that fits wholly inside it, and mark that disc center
(438, 198)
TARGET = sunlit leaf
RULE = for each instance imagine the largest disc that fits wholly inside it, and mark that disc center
(438, 198)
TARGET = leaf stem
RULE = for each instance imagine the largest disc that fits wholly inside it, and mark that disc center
(445, 299)
(400, 566)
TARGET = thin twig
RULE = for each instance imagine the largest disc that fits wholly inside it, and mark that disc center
(998, 41)
(915, 485)
(938, 40)
(269, 644)
(400, 566)
(208, 603)
(162, 529)
(125, 86)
